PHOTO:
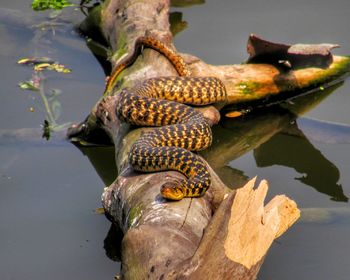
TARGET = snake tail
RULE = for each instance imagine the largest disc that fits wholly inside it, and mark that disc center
(150, 42)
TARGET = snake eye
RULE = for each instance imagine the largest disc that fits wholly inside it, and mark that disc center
(172, 191)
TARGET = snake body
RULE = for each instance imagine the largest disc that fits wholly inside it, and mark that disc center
(179, 128)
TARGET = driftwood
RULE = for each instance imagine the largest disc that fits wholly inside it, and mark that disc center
(224, 234)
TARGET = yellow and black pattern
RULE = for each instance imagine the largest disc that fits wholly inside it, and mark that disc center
(179, 128)
(157, 45)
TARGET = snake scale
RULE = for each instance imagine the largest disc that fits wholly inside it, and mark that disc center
(179, 128)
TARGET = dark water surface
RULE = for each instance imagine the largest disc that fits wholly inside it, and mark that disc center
(49, 190)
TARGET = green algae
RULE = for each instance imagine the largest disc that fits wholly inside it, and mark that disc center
(338, 70)
(134, 215)
(249, 88)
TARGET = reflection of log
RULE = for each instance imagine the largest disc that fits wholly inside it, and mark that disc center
(237, 136)
(323, 176)
(165, 240)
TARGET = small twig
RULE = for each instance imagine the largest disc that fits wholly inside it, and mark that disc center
(187, 211)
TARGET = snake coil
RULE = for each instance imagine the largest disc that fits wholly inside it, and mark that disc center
(179, 128)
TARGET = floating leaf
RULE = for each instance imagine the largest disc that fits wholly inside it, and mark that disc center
(35, 60)
(42, 5)
(60, 68)
(42, 66)
(23, 61)
(28, 85)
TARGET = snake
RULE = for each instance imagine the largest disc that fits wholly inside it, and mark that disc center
(178, 128)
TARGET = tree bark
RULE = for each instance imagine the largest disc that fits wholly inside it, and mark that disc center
(224, 234)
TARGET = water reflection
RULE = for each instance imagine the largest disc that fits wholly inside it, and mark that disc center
(275, 139)
(298, 153)
(113, 243)
(235, 137)
(103, 160)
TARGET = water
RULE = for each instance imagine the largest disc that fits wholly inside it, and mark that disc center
(313, 170)
(49, 190)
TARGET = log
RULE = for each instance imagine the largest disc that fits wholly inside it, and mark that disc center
(239, 235)
(224, 234)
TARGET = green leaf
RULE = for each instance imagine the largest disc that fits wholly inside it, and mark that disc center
(27, 85)
(42, 5)
(42, 66)
(35, 60)
(60, 68)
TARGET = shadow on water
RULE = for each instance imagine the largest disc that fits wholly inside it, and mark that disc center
(275, 139)
(113, 243)
(103, 160)
(298, 153)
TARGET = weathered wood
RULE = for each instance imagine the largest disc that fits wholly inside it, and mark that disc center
(164, 240)
(241, 231)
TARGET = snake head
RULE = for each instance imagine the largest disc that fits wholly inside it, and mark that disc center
(172, 191)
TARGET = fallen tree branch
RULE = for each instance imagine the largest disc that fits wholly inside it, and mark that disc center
(239, 235)
(165, 240)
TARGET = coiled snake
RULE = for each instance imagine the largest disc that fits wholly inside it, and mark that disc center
(180, 128)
